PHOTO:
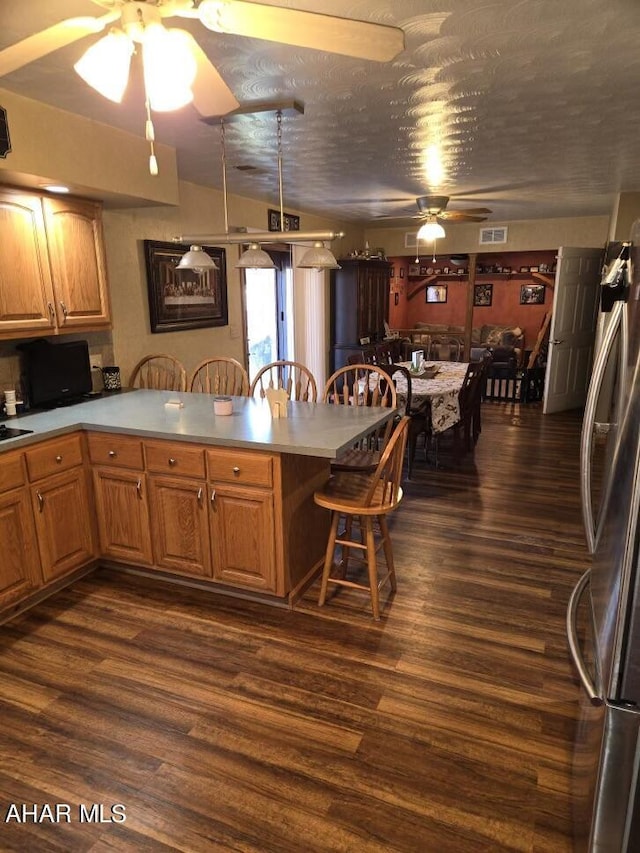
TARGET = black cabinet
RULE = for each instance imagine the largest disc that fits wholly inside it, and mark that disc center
(359, 306)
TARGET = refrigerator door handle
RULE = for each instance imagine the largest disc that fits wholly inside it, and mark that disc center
(586, 438)
(574, 645)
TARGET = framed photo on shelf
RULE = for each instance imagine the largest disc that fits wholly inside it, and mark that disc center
(414, 270)
(524, 269)
(184, 299)
(436, 293)
(482, 295)
(532, 294)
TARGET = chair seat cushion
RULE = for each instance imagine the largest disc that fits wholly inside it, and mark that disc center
(347, 490)
(358, 460)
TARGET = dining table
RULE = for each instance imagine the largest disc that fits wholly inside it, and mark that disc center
(441, 390)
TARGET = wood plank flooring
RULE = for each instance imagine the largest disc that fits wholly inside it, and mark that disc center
(223, 725)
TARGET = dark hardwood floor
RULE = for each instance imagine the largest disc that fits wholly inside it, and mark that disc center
(223, 725)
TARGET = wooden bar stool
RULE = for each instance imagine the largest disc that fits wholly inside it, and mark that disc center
(364, 497)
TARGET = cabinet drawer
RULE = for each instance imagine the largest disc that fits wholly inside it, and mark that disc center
(52, 457)
(231, 466)
(11, 471)
(164, 457)
(117, 450)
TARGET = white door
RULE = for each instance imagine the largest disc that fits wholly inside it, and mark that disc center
(573, 324)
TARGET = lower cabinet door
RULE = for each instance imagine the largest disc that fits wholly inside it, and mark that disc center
(242, 537)
(20, 564)
(179, 525)
(62, 512)
(123, 515)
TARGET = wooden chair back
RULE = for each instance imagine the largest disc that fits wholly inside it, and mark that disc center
(220, 375)
(296, 379)
(160, 372)
(385, 490)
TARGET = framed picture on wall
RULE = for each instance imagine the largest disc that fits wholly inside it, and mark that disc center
(482, 295)
(532, 294)
(436, 293)
(184, 299)
(396, 298)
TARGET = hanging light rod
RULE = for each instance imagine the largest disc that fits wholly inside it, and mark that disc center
(259, 237)
(290, 107)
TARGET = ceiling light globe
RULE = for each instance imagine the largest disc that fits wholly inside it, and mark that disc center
(431, 230)
(105, 65)
(255, 258)
(169, 68)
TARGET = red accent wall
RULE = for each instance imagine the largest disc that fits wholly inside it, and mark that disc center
(505, 308)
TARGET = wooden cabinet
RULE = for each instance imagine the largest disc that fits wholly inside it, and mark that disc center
(120, 488)
(78, 266)
(20, 565)
(359, 306)
(26, 291)
(178, 501)
(62, 505)
(52, 266)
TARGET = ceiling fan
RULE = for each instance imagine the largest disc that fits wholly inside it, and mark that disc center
(434, 207)
(211, 95)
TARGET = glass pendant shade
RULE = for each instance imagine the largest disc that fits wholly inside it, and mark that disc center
(431, 230)
(318, 258)
(196, 259)
(105, 65)
(169, 67)
(255, 258)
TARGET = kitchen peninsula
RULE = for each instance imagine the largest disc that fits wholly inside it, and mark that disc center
(154, 481)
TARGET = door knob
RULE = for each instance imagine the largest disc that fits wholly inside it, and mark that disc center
(556, 341)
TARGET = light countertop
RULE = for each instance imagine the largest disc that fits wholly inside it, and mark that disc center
(311, 429)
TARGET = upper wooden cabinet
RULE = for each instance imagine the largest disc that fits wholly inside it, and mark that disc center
(52, 266)
(78, 267)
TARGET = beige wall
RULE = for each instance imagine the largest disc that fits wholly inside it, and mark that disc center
(523, 235)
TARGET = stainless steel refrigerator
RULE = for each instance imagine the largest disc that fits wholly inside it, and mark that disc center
(603, 618)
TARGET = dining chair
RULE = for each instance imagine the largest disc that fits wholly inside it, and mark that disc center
(419, 414)
(360, 499)
(444, 350)
(161, 372)
(220, 375)
(296, 379)
(362, 385)
(466, 430)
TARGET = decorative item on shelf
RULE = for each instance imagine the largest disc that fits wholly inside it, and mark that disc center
(445, 270)
(506, 270)
(524, 269)
(414, 270)
(277, 399)
(462, 270)
(533, 269)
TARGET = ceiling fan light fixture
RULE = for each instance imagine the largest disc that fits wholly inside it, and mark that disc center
(210, 14)
(431, 230)
(196, 259)
(169, 68)
(105, 65)
(318, 258)
(255, 258)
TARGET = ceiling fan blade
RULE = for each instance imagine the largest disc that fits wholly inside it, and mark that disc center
(211, 95)
(473, 211)
(361, 39)
(46, 41)
(458, 216)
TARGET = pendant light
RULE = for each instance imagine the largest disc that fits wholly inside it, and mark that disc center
(198, 260)
(318, 258)
(255, 258)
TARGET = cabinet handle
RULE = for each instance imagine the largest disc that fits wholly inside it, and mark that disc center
(200, 496)
(58, 459)
(65, 313)
(52, 313)
(236, 470)
(213, 496)
(40, 501)
(139, 488)
(112, 454)
(172, 461)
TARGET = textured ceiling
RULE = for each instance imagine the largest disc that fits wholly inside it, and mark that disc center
(531, 107)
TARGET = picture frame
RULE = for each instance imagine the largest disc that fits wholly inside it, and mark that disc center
(184, 299)
(414, 270)
(532, 294)
(436, 293)
(524, 269)
(401, 272)
(291, 222)
(396, 298)
(392, 272)
(482, 295)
